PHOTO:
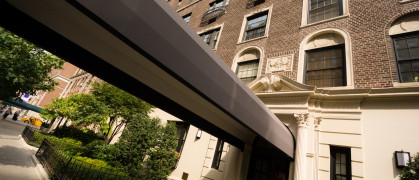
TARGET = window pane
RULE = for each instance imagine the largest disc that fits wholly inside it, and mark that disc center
(414, 52)
(401, 44)
(413, 42)
(403, 54)
(328, 82)
(405, 66)
(321, 10)
(343, 169)
(337, 158)
(342, 159)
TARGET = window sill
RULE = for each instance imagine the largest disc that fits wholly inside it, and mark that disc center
(336, 88)
(324, 21)
(408, 84)
(406, 1)
(258, 38)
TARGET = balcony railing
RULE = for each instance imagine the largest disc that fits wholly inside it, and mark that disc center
(212, 14)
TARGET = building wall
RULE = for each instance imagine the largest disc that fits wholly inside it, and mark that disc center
(346, 120)
(388, 125)
(366, 23)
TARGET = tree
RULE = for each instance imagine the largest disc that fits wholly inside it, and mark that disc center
(123, 106)
(146, 149)
(25, 67)
(81, 109)
(411, 172)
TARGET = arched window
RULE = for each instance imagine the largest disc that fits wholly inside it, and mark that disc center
(405, 36)
(247, 65)
(325, 60)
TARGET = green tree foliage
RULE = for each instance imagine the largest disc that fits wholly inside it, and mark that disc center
(25, 67)
(146, 149)
(81, 109)
(121, 105)
(411, 172)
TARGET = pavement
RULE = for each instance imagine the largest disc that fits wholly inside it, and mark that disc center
(15, 157)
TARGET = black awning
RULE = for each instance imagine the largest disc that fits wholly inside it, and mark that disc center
(22, 105)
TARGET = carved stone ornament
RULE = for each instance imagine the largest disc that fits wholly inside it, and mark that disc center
(317, 121)
(282, 63)
(302, 120)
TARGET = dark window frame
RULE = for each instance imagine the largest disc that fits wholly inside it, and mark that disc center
(341, 150)
(396, 59)
(344, 70)
(217, 154)
(248, 28)
(183, 135)
(213, 35)
(310, 11)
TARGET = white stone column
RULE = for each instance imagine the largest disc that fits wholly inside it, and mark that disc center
(301, 149)
(317, 121)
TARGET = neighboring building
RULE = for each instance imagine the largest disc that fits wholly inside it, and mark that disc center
(63, 77)
(342, 75)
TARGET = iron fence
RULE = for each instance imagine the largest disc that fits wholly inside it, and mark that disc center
(61, 166)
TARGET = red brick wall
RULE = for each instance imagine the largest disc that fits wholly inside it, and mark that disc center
(367, 25)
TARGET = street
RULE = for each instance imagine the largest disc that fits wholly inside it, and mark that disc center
(15, 162)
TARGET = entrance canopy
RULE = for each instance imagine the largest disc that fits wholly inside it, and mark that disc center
(22, 105)
(145, 48)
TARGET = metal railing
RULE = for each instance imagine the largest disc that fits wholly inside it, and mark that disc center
(61, 166)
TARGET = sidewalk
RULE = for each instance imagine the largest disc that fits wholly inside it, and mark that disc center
(15, 158)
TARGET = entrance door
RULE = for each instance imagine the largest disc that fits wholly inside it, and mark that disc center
(267, 162)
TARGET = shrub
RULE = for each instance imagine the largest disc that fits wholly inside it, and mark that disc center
(146, 149)
(72, 132)
(411, 172)
(91, 147)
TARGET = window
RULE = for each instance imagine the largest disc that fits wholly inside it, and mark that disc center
(325, 67)
(218, 4)
(246, 64)
(211, 37)
(340, 163)
(217, 155)
(324, 9)
(247, 71)
(407, 56)
(182, 131)
(255, 26)
(187, 17)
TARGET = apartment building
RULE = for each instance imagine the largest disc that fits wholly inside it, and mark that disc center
(341, 74)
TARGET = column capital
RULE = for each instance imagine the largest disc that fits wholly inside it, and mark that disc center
(302, 120)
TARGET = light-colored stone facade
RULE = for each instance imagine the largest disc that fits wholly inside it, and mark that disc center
(373, 114)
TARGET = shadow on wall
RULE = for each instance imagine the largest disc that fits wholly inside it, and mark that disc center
(228, 166)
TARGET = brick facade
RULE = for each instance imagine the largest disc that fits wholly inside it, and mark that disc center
(366, 23)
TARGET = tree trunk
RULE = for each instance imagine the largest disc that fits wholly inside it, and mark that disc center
(117, 128)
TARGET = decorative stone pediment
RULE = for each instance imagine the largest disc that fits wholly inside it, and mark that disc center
(408, 23)
(276, 83)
